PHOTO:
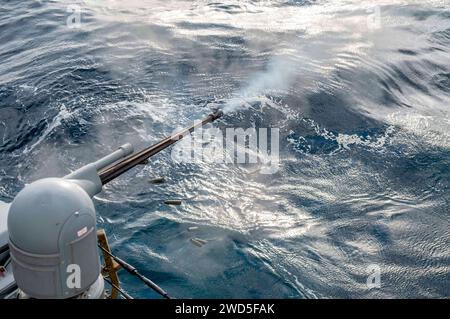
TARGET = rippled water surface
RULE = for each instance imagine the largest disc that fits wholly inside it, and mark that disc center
(359, 92)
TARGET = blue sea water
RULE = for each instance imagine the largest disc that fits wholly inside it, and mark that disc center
(360, 91)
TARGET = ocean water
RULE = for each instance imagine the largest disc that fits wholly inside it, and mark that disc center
(360, 93)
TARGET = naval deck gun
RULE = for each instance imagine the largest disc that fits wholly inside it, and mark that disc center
(50, 228)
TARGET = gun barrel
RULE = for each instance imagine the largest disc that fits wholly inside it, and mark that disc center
(109, 173)
(123, 151)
